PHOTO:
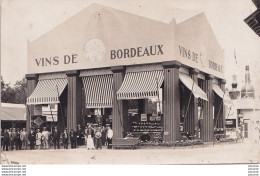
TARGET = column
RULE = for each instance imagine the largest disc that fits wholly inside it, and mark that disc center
(222, 114)
(74, 99)
(191, 121)
(120, 114)
(207, 121)
(171, 106)
(32, 80)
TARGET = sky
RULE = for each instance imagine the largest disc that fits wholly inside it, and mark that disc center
(23, 20)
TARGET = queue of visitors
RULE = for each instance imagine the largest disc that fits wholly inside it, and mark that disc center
(93, 137)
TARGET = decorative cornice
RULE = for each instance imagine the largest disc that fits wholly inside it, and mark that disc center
(171, 64)
(209, 77)
(31, 76)
(222, 81)
(117, 69)
(72, 73)
(194, 71)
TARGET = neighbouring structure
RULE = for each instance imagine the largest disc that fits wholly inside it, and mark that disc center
(13, 116)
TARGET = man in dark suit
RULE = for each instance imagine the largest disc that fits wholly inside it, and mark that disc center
(13, 139)
(32, 139)
(56, 138)
(65, 137)
(73, 138)
(6, 140)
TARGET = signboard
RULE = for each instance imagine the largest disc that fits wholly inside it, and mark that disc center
(51, 118)
(51, 112)
(93, 46)
(231, 123)
(37, 121)
(38, 110)
(69, 46)
(143, 117)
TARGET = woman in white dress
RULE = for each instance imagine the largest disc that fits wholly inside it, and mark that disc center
(89, 134)
(39, 139)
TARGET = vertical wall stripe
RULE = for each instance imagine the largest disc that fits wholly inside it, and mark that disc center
(207, 122)
(171, 106)
(119, 121)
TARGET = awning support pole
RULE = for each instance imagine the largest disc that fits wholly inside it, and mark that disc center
(60, 107)
(188, 103)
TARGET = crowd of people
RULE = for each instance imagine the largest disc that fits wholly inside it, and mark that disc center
(93, 137)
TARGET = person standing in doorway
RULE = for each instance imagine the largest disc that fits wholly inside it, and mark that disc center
(65, 137)
(45, 138)
(109, 137)
(32, 139)
(73, 139)
(24, 139)
(56, 138)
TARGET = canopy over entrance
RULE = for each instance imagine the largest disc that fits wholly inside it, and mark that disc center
(193, 86)
(48, 89)
(140, 85)
(219, 92)
(98, 91)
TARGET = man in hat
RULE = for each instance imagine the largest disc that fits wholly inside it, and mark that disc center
(56, 138)
(18, 140)
(65, 137)
(45, 138)
(13, 139)
(73, 138)
(32, 139)
(24, 138)
(80, 135)
(6, 140)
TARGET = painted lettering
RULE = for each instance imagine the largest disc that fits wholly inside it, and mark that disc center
(113, 54)
(137, 52)
(66, 59)
(74, 58)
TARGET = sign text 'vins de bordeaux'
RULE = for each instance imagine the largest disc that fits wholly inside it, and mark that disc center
(136, 52)
(186, 53)
(67, 59)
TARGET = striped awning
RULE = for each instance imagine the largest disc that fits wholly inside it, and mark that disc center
(140, 85)
(193, 86)
(226, 99)
(98, 91)
(47, 91)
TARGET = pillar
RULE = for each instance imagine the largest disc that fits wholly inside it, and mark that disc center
(120, 114)
(207, 133)
(171, 106)
(191, 121)
(32, 80)
(222, 114)
(74, 103)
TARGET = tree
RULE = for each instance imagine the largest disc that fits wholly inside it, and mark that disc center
(20, 91)
(14, 94)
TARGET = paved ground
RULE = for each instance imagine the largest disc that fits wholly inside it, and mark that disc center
(221, 153)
